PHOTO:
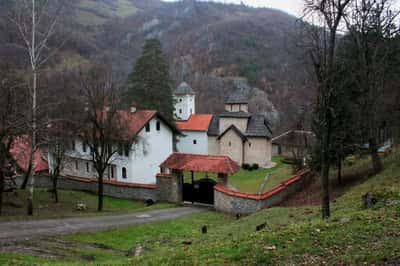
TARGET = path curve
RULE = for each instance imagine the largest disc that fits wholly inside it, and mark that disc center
(25, 230)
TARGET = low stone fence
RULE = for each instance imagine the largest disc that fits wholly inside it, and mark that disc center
(111, 188)
(230, 201)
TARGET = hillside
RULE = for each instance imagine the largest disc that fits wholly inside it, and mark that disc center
(292, 236)
(209, 45)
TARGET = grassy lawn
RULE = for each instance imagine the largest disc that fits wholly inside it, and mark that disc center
(15, 205)
(252, 181)
(292, 236)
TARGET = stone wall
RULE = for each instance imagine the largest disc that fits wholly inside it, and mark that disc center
(230, 201)
(111, 188)
(169, 187)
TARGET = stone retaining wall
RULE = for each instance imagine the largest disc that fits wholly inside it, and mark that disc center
(111, 188)
(230, 201)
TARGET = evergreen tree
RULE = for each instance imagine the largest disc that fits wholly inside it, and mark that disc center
(150, 84)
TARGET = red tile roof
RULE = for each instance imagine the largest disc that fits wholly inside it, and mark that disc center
(201, 163)
(195, 122)
(20, 151)
(137, 121)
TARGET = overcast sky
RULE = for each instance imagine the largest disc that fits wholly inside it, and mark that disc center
(293, 7)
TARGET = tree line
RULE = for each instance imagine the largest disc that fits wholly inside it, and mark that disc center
(354, 53)
(51, 105)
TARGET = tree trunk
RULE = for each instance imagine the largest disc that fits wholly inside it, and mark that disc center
(376, 160)
(325, 189)
(325, 172)
(55, 191)
(34, 92)
(1, 190)
(100, 194)
(27, 175)
(339, 172)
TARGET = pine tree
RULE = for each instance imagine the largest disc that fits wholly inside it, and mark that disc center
(149, 84)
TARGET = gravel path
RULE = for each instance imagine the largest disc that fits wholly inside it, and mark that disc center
(25, 230)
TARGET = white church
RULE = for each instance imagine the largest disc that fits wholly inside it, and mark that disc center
(237, 133)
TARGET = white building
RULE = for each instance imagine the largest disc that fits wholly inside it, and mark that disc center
(136, 163)
(195, 136)
(184, 101)
(243, 136)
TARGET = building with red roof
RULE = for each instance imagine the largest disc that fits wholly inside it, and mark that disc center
(136, 162)
(20, 151)
(195, 138)
(243, 136)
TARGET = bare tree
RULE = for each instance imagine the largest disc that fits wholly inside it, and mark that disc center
(57, 148)
(104, 125)
(329, 14)
(11, 96)
(36, 22)
(371, 25)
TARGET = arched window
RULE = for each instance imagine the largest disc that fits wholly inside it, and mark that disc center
(124, 175)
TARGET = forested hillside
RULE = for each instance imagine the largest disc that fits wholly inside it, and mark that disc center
(209, 45)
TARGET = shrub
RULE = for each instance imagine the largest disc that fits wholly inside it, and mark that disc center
(246, 166)
(255, 166)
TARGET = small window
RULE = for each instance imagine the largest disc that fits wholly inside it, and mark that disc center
(87, 167)
(124, 175)
(126, 150)
(158, 126)
(230, 144)
(120, 149)
(194, 142)
(73, 144)
(76, 165)
(84, 147)
(148, 127)
(180, 111)
(249, 144)
(112, 171)
(180, 100)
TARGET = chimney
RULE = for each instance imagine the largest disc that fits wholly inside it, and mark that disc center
(133, 107)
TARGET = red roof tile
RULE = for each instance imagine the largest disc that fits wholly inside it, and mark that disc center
(201, 163)
(195, 122)
(20, 151)
(137, 121)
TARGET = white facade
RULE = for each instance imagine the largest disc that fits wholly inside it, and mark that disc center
(194, 142)
(150, 149)
(184, 106)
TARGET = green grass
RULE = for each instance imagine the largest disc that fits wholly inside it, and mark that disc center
(252, 181)
(293, 236)
(94, 13)
(15, 205)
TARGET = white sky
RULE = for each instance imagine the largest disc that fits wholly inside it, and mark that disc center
(294, 7)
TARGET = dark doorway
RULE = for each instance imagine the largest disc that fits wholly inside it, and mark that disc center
(201, 191)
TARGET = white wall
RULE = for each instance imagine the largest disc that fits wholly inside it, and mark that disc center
(184, 106)
(142, 165)
(186, 143)
(151, 149)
